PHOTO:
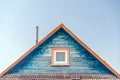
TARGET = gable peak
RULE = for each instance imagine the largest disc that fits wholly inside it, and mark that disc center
(61, 25)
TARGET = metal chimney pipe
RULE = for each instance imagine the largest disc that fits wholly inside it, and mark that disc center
(36, 34)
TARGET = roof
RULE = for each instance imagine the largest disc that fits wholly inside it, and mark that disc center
(75, 37)
(61, 76)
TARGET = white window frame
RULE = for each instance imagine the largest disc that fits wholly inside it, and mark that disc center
(60, 63)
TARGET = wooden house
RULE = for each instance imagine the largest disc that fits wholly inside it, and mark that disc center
(61, 55)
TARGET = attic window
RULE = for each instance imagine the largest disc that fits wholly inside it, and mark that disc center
(60, 57)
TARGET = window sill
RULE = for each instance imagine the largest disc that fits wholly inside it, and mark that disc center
(60, 64)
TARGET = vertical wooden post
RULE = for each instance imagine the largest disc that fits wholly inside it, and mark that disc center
(36, 34)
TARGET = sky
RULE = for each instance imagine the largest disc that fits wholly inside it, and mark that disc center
(95, 22)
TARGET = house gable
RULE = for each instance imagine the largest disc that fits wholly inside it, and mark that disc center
(82, 58)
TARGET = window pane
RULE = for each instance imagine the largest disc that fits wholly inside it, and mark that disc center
(60, 56)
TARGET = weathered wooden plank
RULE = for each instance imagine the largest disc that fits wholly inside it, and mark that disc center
(39, 60)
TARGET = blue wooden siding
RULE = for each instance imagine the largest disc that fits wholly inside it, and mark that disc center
(39, 60)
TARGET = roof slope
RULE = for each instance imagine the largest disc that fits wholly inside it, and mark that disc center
(75, 37)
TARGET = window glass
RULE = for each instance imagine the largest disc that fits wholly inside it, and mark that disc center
(60, 56)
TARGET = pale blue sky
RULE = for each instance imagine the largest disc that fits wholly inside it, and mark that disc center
(96, 22)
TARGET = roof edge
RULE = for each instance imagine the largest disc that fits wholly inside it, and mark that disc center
(75, 37)
(31, 49)
(92, 52)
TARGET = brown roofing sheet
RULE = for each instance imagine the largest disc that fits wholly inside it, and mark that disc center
(59, 76)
